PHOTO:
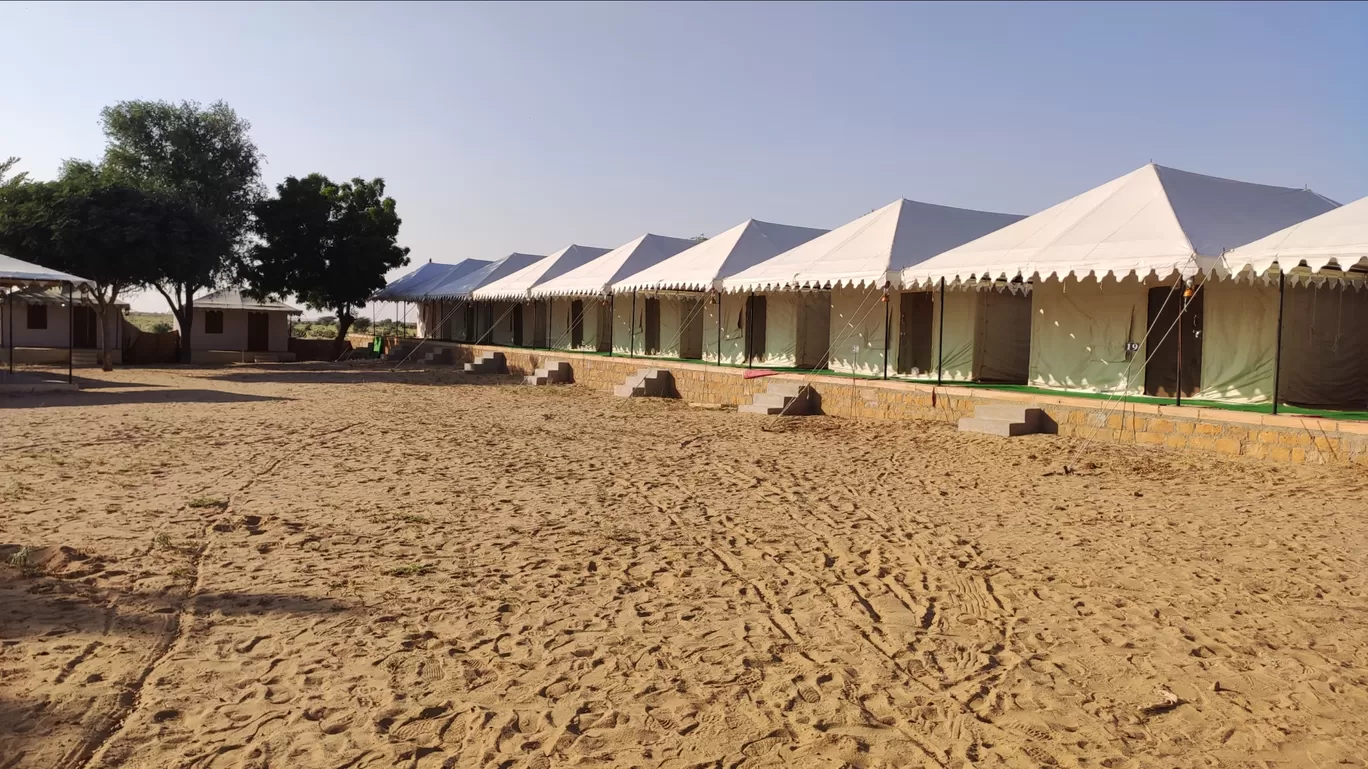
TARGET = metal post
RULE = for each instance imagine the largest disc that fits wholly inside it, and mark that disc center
(612, 313)
(9, 328)
(1277, 351)
(750, 330)
(887, 312)
(1182, 305)
(940, 343)
(631, 324)
(71, 330)
(719, 328)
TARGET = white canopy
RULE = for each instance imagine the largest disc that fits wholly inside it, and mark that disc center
(518, 284)
(415, 285)
(1338, 237)
(1152, 220)
(462, 286)
(702, 266)
(597, 276)
(871, 250)
(18, 271)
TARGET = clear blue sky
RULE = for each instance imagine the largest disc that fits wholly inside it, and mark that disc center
(528, 127)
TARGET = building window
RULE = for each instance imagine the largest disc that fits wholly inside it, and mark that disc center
(37, 317)
(213, 322)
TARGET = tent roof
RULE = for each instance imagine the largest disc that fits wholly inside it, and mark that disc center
(17, 272)
(415, 285)
(461, 286)
(1338, 237)
(870, 250)
(518, 284)
(234, 299)
(701, 266)
(1152, 220)
(57, 295)
(598, 276)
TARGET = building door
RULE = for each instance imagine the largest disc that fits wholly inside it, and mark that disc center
(755, 332)
(1167, 335)
(652, 324)
(576, 324)
(915, 318)
(84, 333)
(258, 332)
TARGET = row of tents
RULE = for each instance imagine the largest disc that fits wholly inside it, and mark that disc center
(1161, 282)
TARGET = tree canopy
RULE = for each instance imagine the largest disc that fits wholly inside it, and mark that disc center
(328, 244)
(203, 157)
(115, 234)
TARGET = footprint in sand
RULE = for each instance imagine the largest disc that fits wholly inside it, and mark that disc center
(763, 747)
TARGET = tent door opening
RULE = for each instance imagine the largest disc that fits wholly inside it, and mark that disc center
(517, 323)
(604, 341)
(1162, 343)
(468, 323)
(755, 331)
(576, 324)
(651, 322)
(539, 321)
(915, 318)
(84, 333)
(258, 332)
(691, 332)
(1002, 349)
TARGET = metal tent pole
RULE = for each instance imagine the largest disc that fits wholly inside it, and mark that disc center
(940, 343)
(1277, 350)
(71, 330)
(719, 328)
(612, 313)
(750, 330)
(1178, 388)
(9, 328)
(887, 311)
(631, 323)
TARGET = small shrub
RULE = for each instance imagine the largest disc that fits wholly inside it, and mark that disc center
(410, 570)
(200, 503)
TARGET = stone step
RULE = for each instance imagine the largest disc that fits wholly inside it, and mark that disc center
(772, 399)
(1003, 427)
(488, 363)
(647, 383)
(1025, 414)
(438, 356)
(790, 399)
(791, 389)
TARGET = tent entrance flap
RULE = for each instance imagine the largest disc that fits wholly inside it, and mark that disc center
(576, 324)
(1324, 348)
(1169, 338)
(540, 322)
(603, 342)
(757, 318)
(652, 326)
(1002, 350)
(915, 343)
(691, 329)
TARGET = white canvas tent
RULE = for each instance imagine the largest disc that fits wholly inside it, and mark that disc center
(16, 274)
(447, 311)
(589, 286)
(676, 319)
(1318, 298)
(1093, 260)
(415, 285)
(826, 293)
(499, 299)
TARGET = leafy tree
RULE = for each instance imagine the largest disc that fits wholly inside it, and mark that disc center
(13, 181)
(109, 232)
(201, 156)
(361, 324)
(328, 244)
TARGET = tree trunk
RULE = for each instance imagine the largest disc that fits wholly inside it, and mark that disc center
(344, 321)
(103, 331)
(186, 318)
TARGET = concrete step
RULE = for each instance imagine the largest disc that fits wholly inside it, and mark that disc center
(488, 363)
(791, 389)
(790, 399)
(438, 356)
(772, 399)
(1003, 427)
(647, 383)
(1025, 414)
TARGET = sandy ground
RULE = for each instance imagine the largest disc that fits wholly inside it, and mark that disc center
(287, 567)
